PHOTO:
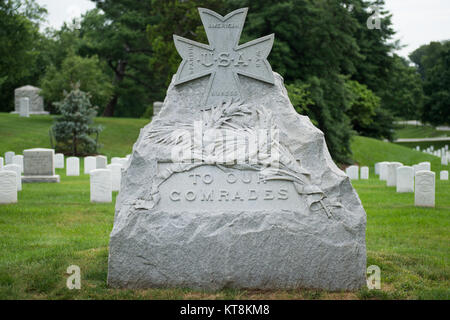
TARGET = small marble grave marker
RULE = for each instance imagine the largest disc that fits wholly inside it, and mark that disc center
(364, 173)
(116, 174)
(443, 175)
(59, 161)
(424, 195)
(2, 163)
(39, 166)
(73, 166)
(24, 107)
(392, 173)
(15, 168)
(115, 159)
(352, 172)
(101, 185)
(157, 106)
(18, 159)
(8, 187)
(9, 157)
(90, 163)
(383, 170)
(426, 165)
(405, 179)
(377, 168)
(101, 162)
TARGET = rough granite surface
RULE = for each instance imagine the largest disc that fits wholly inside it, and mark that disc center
(215, 249)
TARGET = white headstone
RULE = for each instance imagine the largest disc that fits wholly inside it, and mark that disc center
(115, 159)
(8, 187)
(444, 160)
(116, 175)
(122, 162)
(24, 107)
(157, 106)
(59, 161)
(383, 170)
(101, 163)
(377, 168)
(352, 172)
(73, 166)
(364, 173)
(1, 163)
(392, 173)
(101, 185)
(18, 159)
(405, 179)
(9, 157)
(16, 169)
(426, 165)
(443, 175)
(418, 148)
(90, 163)
(421, 167)
(424, 195)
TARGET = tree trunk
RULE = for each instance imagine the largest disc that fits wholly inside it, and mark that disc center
(109, 110)
(119, 72)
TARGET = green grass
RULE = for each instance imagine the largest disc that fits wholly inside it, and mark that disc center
(410, 131)
(18, 133)
(368, 151)
(54, 226)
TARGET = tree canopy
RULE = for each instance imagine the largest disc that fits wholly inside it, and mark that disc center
(344, 75)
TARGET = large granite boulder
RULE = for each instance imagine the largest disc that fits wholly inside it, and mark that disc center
(213, 225)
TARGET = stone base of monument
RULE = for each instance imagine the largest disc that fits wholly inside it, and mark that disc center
(41, 179)
(223, 225)
(259, 250)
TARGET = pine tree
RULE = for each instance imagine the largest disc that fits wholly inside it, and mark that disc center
(72, 130)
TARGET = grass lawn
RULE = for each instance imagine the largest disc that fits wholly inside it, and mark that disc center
(410, 131)
(18, 133)
(368, 151)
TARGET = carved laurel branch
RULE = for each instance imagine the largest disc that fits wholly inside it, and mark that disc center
(223, 117)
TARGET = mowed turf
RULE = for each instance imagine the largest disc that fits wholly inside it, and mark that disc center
(54, 226)
(19, 133)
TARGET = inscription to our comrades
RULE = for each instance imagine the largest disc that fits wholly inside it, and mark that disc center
(208, 187)
(223, 59)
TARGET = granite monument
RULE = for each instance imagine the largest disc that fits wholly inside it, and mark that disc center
(229, 186)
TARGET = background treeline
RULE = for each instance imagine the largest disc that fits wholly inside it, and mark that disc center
(339, 72)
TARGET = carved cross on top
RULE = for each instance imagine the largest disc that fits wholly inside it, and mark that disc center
(223, 59)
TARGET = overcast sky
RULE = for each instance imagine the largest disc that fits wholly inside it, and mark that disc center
(417, 22)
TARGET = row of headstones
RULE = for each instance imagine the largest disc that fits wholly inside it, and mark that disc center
(104, 178)
(442, 153)
(353, 172)
(417, 178)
